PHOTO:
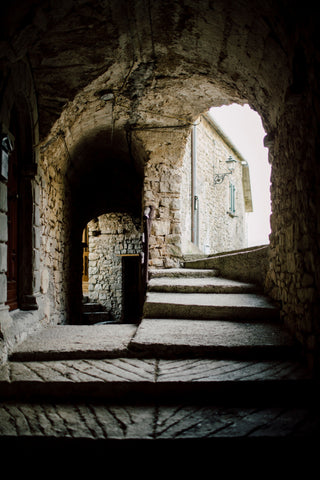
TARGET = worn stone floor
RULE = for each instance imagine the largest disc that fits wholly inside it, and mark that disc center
(156, 337)
(210, 388)
(47, 393)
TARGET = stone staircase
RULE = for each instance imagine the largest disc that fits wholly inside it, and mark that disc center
(208, 366)
(94, 313)
(228, 317)
(200, 294)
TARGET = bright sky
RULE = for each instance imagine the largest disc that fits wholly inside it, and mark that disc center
(243, 126)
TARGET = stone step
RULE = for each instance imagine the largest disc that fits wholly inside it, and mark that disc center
(164, 380)
(180, 380)
(199, 285)
(75, 342)
(95, 313)
(209, 306)
(182, 272)
(176, 433)
(165, 339)
(90, 307)
(90, 318)
(161, 338)
(179, 338)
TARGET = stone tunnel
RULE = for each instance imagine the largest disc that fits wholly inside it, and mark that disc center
(97, 101)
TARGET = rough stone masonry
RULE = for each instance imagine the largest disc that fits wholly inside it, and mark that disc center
(102, 96)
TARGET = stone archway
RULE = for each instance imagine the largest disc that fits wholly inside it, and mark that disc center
(162, 69)
(115, 250)
(103, 180)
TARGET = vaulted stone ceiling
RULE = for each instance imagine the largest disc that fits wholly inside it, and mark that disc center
(103, 176)
(163, 61)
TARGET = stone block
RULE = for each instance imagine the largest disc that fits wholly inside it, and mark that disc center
(175, 204)
(36, 215)
(36, 259)
(44, 281)
(3, 257)
(3, 227)
(3, 197)
(307, 280)
(306, 294)
(174, 250)
(36, 237)
(291, 265)
(165, 187)
(36, 282)
(36, 193)
(173, 239)
(161, 227)
(3, 288)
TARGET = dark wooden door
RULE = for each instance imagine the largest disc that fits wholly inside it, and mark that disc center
(85, 260)
(131, 288)
(13, 199)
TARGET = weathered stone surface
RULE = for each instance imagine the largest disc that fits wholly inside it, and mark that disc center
(96, 421)
(182, 272)
(116, 379)
(218, 228)
(243, 306)
(171, 337)
(246, 265)
(150, 380)
(124, 98)
(172, 422)
(110, 236)
(151, 370)
(204, 285)
(210, 370)
(70, 341)
(76, 421)
(226, 423)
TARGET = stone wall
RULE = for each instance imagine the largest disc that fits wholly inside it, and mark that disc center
(162, 183)
(149, 77)
(54, 229)
(111, 236)
(18, 110)
(293, 278)
(218, 229)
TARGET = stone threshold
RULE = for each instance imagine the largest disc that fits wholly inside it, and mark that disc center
(123, 379)
(166, 338)
(128, 423)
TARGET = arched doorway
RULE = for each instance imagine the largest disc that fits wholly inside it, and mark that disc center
(245, 51)
(105, 222)
(21, 234)
(112, 276)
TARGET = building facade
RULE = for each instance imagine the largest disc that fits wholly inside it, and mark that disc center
(215, 192)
